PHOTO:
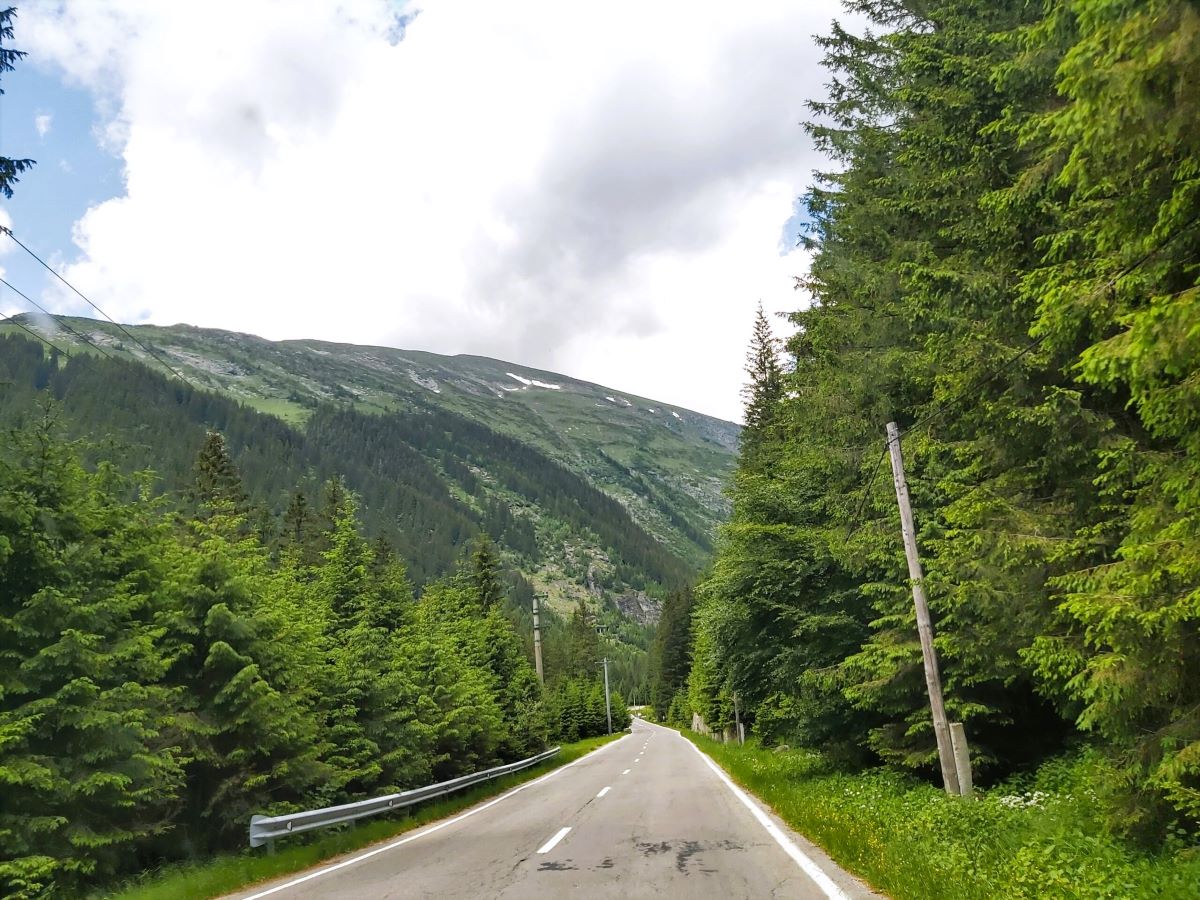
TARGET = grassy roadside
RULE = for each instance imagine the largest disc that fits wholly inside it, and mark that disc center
(1038, 837)
(225, 874)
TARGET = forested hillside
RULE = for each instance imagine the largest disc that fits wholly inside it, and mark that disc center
(666, 464)
(429, 482)
(1005, 264)
(168, 670)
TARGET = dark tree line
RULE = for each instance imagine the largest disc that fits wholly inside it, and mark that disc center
(1005, 251)
(166, 673)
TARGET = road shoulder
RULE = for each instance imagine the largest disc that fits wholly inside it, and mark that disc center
(841, 885)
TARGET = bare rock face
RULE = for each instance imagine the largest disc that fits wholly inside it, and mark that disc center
(642, 609)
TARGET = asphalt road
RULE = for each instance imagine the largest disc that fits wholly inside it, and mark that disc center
(645, 816)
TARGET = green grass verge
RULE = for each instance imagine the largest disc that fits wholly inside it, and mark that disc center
(1035, 837)
(225, 874)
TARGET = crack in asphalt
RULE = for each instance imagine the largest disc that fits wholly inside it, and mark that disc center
(685, 850)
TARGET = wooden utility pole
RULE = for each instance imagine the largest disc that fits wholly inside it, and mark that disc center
(933, 681)
(607, 702)
(537, 642)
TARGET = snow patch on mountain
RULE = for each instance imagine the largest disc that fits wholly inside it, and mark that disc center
(533, 382)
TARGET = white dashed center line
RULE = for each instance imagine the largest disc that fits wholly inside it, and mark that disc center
(550, 844)
(626, 772)
(603, 792)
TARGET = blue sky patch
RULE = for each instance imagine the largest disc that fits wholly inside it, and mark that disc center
(789, 236)
(43, 119)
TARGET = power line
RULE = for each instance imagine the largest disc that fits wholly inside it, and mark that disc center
(1036, 342)
(56, 318)
(943, 408)
(80, 294)
(45, 341)
(937, 414)
(855, 521)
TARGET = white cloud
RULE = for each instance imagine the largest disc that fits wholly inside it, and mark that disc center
(592, 190)
(42, 123)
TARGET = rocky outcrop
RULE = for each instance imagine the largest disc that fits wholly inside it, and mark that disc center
(639, 607)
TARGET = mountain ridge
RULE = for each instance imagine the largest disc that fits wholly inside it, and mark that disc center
(665, 464)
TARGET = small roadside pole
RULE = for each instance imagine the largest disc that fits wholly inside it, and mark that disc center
(537, 642)
(607, 702)
(737, 720)
(962, 758)
(948, 757)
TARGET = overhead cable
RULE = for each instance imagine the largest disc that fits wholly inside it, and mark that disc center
(943, 408)
(44, 340)
(82, 296)
(58, 319)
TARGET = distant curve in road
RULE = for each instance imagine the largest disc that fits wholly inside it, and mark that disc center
(645, 816)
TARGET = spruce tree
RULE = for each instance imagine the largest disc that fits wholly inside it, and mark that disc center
(252, 738)
(670, 655)
(581, 644)
(1120, 292)
(461, 694)
(764, 390)
(217, 485)
(297, 519)
(391, 607)
(90, 769)
(486, 573)
(10, 169)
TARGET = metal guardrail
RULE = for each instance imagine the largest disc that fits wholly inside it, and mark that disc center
(265, 829)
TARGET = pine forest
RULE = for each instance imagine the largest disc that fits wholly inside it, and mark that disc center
(1005, 264)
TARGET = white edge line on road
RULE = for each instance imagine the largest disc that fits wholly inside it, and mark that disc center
(549, 845)
(603, 792)
(430, 830)
(811, 869)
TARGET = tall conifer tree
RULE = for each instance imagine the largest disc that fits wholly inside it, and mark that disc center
(764, 390)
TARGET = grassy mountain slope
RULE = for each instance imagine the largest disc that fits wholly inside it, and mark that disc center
(666, 464)
(477, 443)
